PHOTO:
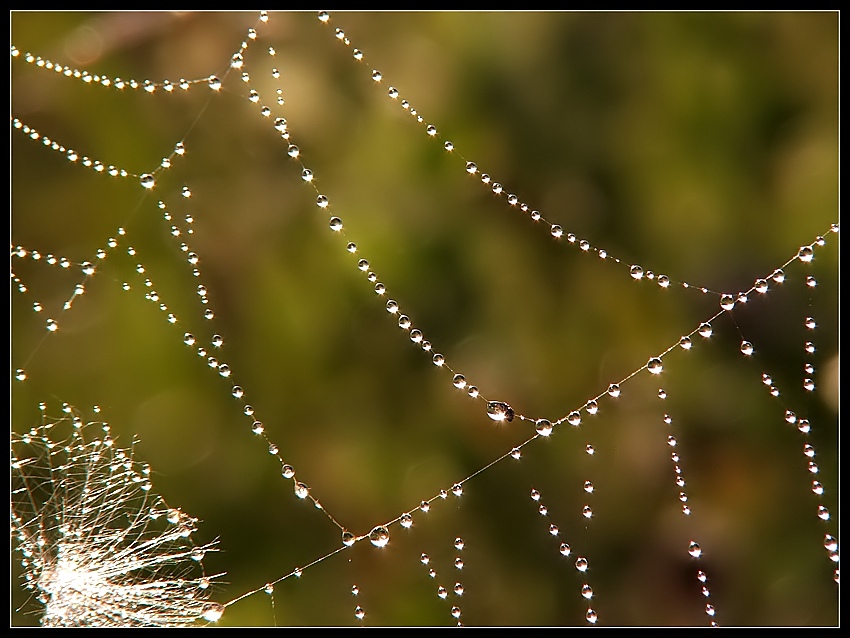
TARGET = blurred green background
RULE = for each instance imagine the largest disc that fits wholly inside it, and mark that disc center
(703, 146)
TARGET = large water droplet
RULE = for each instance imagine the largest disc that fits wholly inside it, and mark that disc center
(806, 253)
(694, 549)
(212, 612)
(581, 564)
(301, 490)
(379, 536)
(705, 330)
(727, 302)
(543, 427)
(654, 365)
(500, 411)
(147, 180)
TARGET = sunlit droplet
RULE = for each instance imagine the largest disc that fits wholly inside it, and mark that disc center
(705, 330)
(500, 411)
(694, 549)
(212, 612)
(379, 536)
(543, 427)
(654, 365)
(746, 348)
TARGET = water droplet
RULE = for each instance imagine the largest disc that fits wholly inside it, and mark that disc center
(556, 231)
(663, 281)
(587, 511)
(293, 150)
(564, 549)
(472, 391)
(727, 302)
(636, 272)
(406, 521)
(147, 180)
(553, 530)
(431, 130)
(438, 359)
(574, 418)
(379, 536)
(761, 286)
(543, 427)
(654, 365)
(335, 224)
(806, 253)
(212, 612)
(20, 374)
(471, 168)
(823, 513)
(224, 370)
(376, 75)
(457, 489)
(614, 390)
(581, 564)
(208, 314)
(592, 407)
(52, 326)
(459, 562)
(778, 275)
(694, 549)
(424, 506)
(589, 449)
(587, 592)
(301, 490)
(746, 348)
(705, 330)
(588, 487)
(500, 411)
(403, 322)
(459, 381)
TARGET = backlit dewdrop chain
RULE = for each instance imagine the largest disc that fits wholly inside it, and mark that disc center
(637, 272)
(148, 182)
(148, 86)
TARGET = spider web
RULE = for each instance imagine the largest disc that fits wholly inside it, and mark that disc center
(694, 145)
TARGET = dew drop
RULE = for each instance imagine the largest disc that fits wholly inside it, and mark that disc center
(457, 489)
(335, 224)
(147, 180)
(654, 365)
(301, 490)
(685, 343)
(424, 506)
(406, 521)
(459, 381)
(348, 538)
(694, 549)
(293, 151)
(587, 592)
(588, 487)
(500, 411)
(438, 360)
(379, 536)
(556, 231)
(564, 549)
(705, 330)
(471, 168)
(376, 75)
(212, 612)
(574, 418)
(806, 253)
(20, 374)
(52, 326)
(727, 302)
(543, 427)
(614, 390)
(592, 407)
(581, 564)
(761, 286)
(359, 614)
(636, 272)
(746, 348)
